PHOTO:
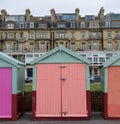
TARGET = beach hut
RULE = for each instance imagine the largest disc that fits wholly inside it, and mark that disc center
(11, 87)
(61, 88)
(111, 87)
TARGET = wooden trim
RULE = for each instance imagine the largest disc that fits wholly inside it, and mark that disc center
(14, 107)
(88, 103)
(60, 118)
(105, 105)
(17, 105)
(33, 104)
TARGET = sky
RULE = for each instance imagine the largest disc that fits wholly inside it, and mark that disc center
(43, 7)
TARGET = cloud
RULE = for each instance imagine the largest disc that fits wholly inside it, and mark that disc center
(42, 7)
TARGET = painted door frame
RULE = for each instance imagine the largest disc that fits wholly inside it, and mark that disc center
(113, 102)
(62, 80)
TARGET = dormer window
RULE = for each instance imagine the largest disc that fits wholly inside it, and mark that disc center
(62, 35)
(31, 24)
(21, 25)
(10, 26)
(42, 25)
(72, 25)
(95, 25)
(61, 25)
(82, 25)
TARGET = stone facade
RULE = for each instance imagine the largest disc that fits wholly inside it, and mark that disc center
(21, 34)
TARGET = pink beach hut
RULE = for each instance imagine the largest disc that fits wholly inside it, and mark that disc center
(111, 87)
(61, 88)
(11, 87)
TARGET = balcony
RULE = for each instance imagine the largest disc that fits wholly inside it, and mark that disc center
(73, 38)
(84, 38)
(42, 38)
(9, 39)
(21, 39)
(14, 51)
(94, 38)
(61, 39)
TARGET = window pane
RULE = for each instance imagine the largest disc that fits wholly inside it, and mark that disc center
(82, 25)
(21, 35)
(83, 46)
(73, 46)
(21, 47)
(31, 35)
(95, 58)
(72, 35)
(94, 46)
(31, 24)
(109, 34)
(31, 47)
(109, 46)
(83, 34)
(42, 47)
(95, 71)
(29, 72)
(116, 46)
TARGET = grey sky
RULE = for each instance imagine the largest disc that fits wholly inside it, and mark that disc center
(42, 7)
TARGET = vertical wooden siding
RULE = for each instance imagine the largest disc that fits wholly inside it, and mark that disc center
(74, 90)
(114, 91)
(56, 97)
(5, 92)
(48, 90)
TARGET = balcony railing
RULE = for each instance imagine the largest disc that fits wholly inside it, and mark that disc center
(84, 38)
(94, 38)
(62, 38)
(9, 38)
(42, 38)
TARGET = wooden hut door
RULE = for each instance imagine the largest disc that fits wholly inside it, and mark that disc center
(61, 90)
(113, 91)
(5, 92)
(74, 90)
(48, 95)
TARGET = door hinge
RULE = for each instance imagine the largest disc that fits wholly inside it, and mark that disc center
(63, 79)
(64, 113)
(62, 66)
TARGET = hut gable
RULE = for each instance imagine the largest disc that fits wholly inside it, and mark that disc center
(114, 61)
(9, 60)
(12, 79)
(60, 55)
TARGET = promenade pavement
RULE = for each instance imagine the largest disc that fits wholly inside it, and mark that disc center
(96, 118)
